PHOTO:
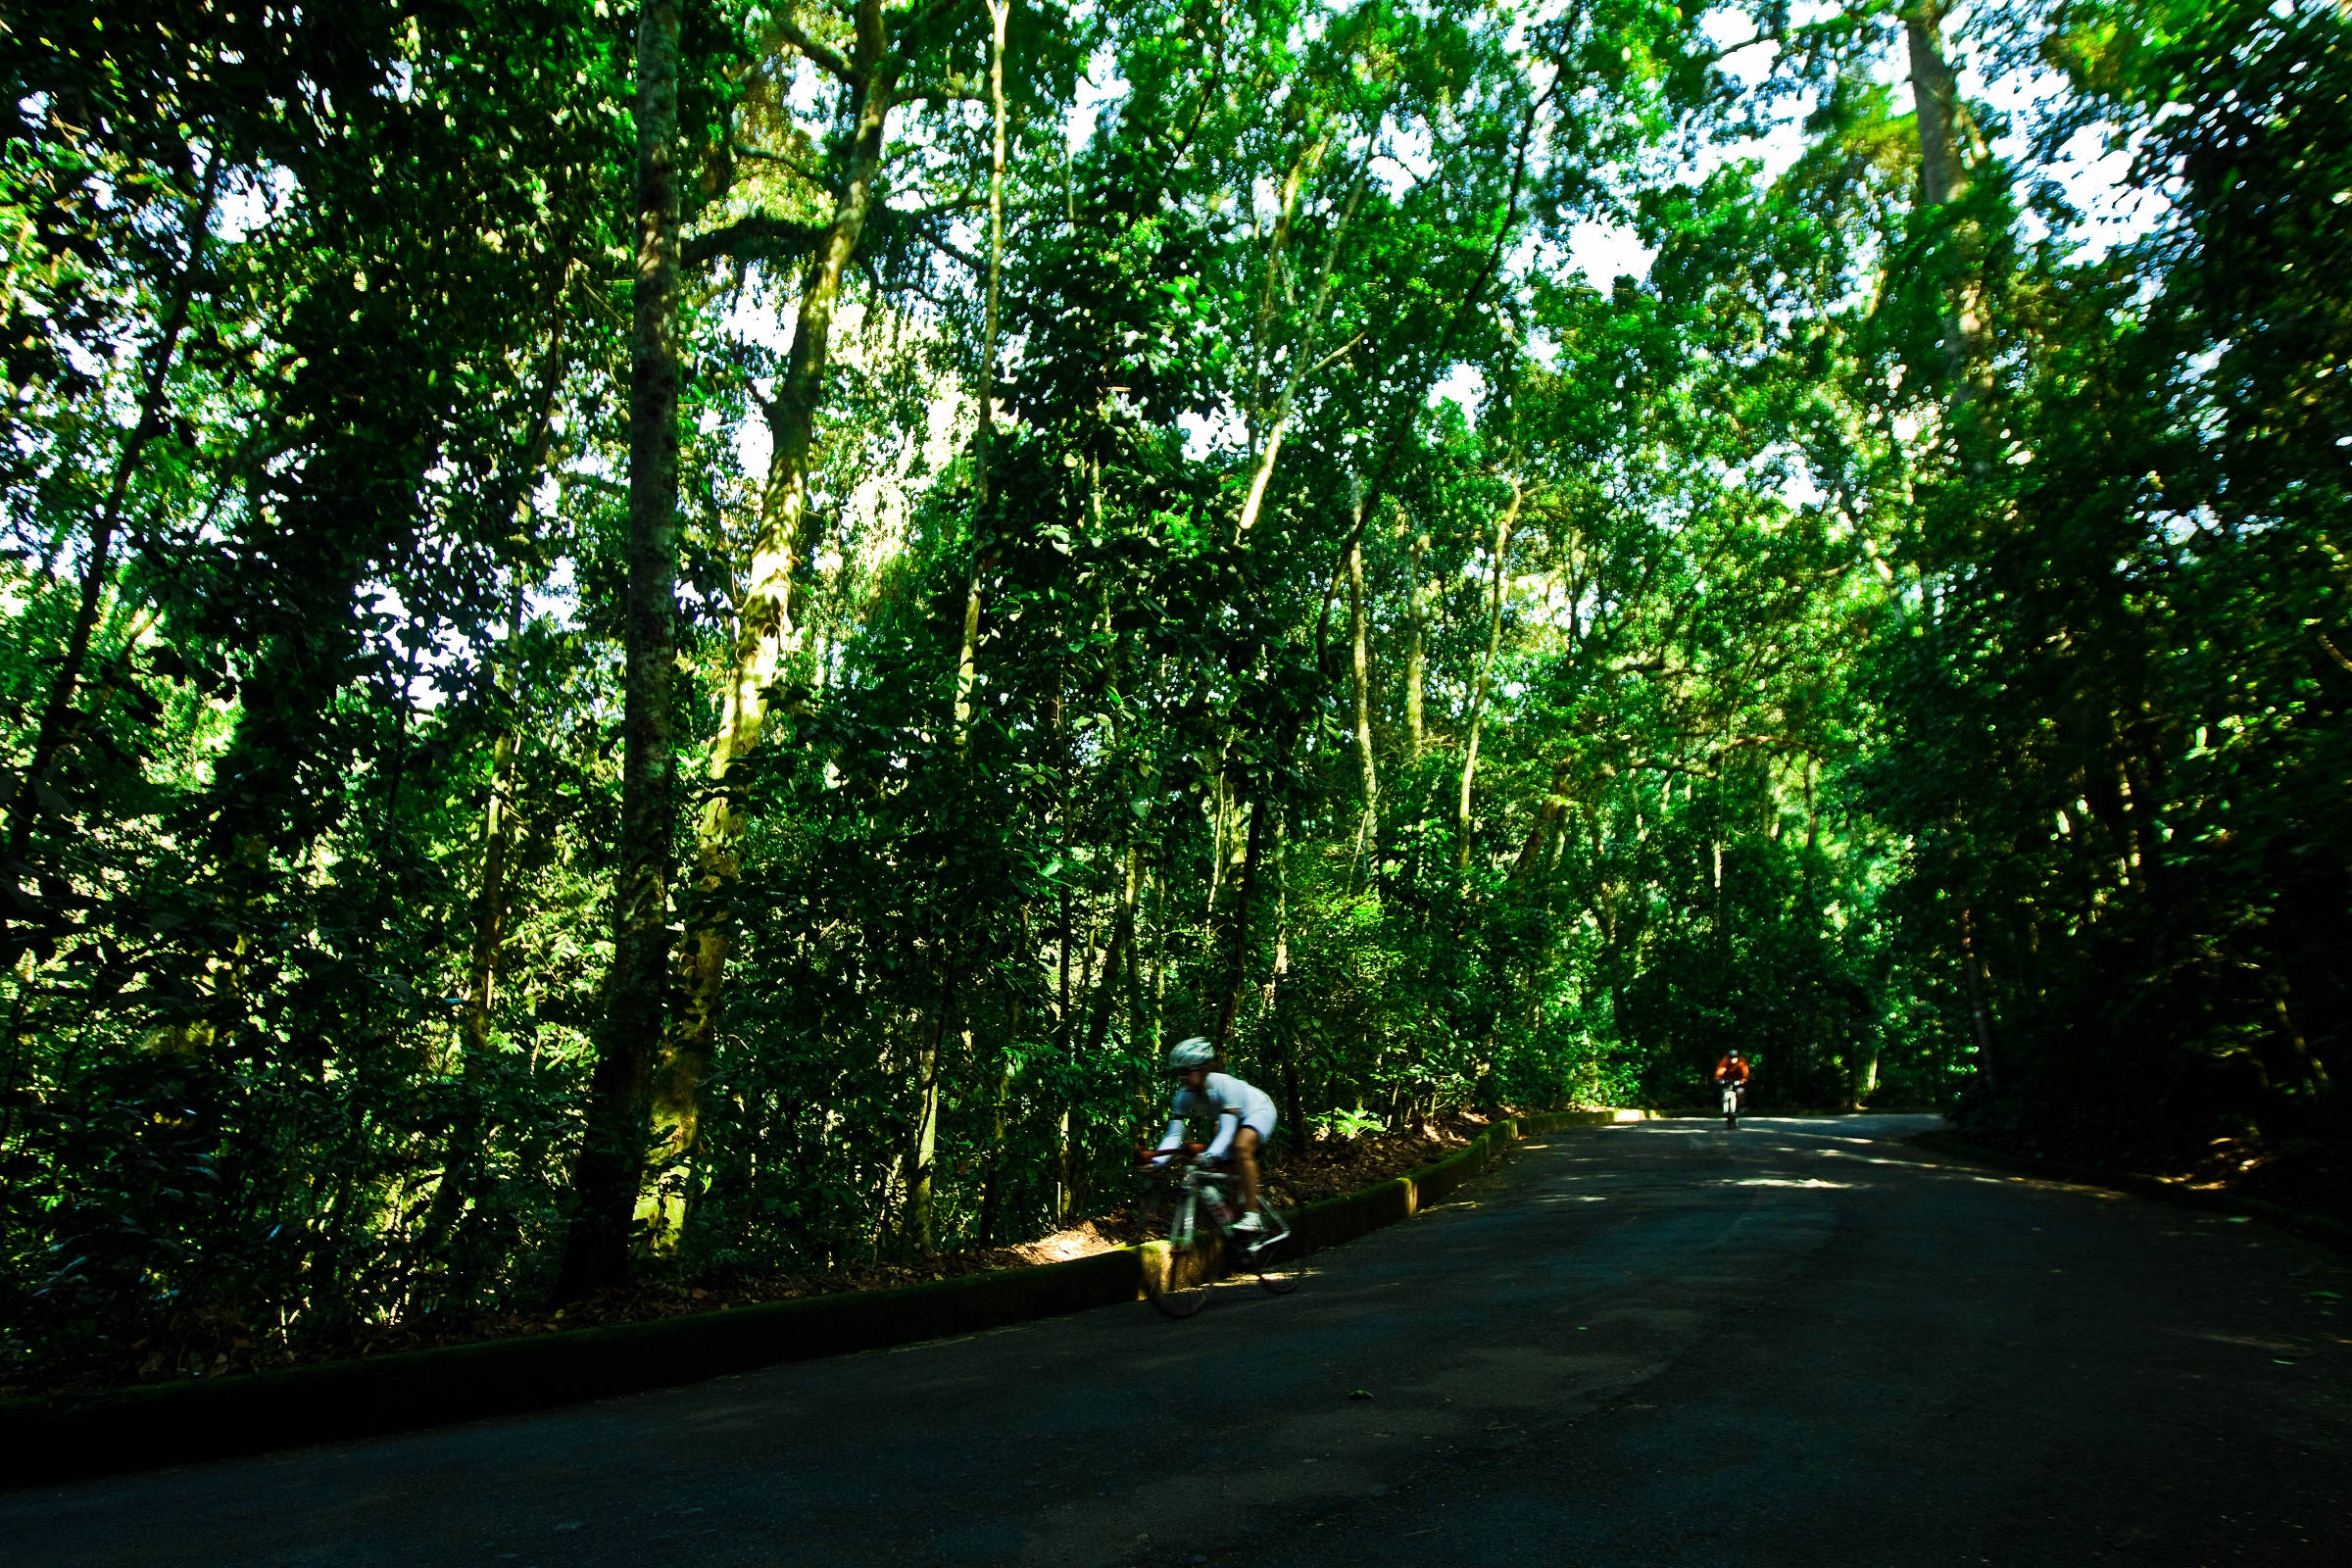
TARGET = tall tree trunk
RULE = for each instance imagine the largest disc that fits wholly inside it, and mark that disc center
(1220, 819)
(1942, 180)
(460, 1166)
(1360, 665)
(489, 916)
(611, 1154)
(966, 661)
(919, 1226)
(1980, 1021)
(1278, 248)
(1485, 670)
(1416, 659)
(1139, 1038)
(460, 1169)
(1237, 979)
(57, 714)
(915, 1228)
(1114, 957)
(1278, 999)
(490, 898)
(763, 619)
(992, 1180)
(1065, 1033)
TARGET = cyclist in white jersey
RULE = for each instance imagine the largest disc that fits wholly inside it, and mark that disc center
(1244, 1114)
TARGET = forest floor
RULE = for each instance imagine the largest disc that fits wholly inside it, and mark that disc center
(1329, 1167)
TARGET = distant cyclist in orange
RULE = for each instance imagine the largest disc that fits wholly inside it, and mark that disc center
(1731, 1073)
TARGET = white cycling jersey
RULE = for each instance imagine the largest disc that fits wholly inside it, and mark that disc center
(1234, 1104)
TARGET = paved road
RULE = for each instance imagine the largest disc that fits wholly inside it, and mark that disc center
(1644, 1345)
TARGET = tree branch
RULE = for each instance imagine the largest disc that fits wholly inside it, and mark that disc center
(955, 205)
(874, 279)
(1339, 353)
(813, 178)
(945, 249)
(1714, 57)
(817, 55)
(760, 239)
(954, 90)
(928, 15)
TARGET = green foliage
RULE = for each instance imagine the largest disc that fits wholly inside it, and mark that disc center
(2117, 739)
(1899, 640)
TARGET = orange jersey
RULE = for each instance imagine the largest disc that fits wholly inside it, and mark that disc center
(1735, 1071)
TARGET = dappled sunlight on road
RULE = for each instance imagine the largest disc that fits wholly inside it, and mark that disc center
(1785, 1181)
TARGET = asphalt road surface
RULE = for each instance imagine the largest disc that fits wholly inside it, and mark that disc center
(1645, 1344)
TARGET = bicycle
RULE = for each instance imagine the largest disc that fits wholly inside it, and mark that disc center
(1193, 1207)
(1733, 1091)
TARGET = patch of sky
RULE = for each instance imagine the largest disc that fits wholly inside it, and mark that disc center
(1100, 85)
(251, 201)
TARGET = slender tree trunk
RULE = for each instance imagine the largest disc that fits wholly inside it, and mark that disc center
(919, 1180)
(1360, 665)
(1485, 670)
(1158, 1018)
(1123, 938)
(461, 1167)
(1416, 659)
(1277, 422)
(1065, 1032)
(490, 918)
(966, 661)
(57, 714)
(923, 1148)
(611, 1152)
(1072, 1164)
(1979, 1022)
(993, 1176)
(1278, 994)
(1138, 985)
(1239, 978)
(763, 619)
(1392, 448)
(498, 833)
(1220, 819)
(1278, 247)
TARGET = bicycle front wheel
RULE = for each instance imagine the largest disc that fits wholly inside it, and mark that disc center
(1177, 1273)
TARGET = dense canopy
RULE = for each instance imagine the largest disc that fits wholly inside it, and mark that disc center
(686, 639)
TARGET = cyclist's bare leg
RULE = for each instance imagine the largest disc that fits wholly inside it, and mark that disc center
(1244, 1161)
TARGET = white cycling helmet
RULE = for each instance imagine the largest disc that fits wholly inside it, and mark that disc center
(1186, 1054)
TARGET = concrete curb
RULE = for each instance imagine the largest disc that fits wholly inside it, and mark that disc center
(2311, 1227)
(142, 1427)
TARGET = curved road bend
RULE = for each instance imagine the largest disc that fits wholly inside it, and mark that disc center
(1642, 1344)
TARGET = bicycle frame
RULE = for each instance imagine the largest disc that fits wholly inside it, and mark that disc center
(1202, 1187)
(1195, 1187)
